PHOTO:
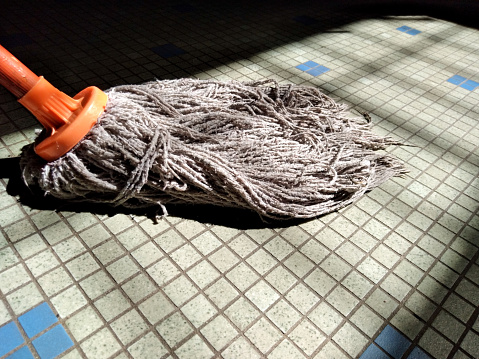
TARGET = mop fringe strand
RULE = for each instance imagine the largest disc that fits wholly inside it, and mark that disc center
(285, 151)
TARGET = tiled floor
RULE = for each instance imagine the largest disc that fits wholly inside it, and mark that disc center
(395, 275)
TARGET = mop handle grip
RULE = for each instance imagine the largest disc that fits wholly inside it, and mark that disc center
(15, 76)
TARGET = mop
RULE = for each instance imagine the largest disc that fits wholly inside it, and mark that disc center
(282, 150)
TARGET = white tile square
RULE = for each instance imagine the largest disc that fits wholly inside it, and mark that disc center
(314, 250)
(84, 323)
(129, 326)
(219, 332)
(281, 279)
(335, 267)
(242, 276)
(112, 304)
(242, 245)
(263, 335)
(180, 290)
(395, 287)
(326, 318)
(366, 320)
(122, 269)
(299, 264)
(408, 272)
(302, 298)
(68, 301)
(30, 245)
(101, 345)
(185, 256)
(350, 253)
(283, 315)
(286, 350)
(382, 303)
(169, 240)
(24, 298)
(138, 287)
(82, 266)
(351, 340)
(221, 293)
(261, 261)
(199, 310)
(97, 284)
(156, 308)
(307, 337)
(342, 300)
(147, 254)
(13, 278)
(223, 259)
(278, 247)
(203, 274)
(132, 237)
(41, 262)
(385, 256)
(320, 281)
(194, 348)
(242, 313)
(189, 228)
(163, 271)
(174, 329)
(148, 347)
(240, 348)
(435, 344)
(262, 295)
(372, 270)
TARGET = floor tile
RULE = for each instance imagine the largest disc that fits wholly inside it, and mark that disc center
(219, 332)
(52, 343)
(392, 342)
(37, 319)
(148, 347)
(101, 345)
(240, 347)
(194, 348)
(263, 335)
(13, 338)
(174, 329)
(201, 282)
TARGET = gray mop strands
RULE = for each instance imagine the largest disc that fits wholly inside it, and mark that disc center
(285, 151)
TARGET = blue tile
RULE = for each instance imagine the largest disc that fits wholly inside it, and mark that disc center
(52, 343)
(456, 79)
(417, 353)
(303, 67)
(22, 353)
(470, 85)
(373, 352)
(311, 64)
(306, 20)
(413, 32)
(37, 319)
(168, 50)
(393, 342)
(318, 71)
(10, 338)
(404, 28)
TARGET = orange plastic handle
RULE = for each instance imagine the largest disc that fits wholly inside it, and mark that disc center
(67, 120)
(15, 76)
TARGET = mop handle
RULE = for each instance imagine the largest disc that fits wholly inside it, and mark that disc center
(15, 76)
(66, 119)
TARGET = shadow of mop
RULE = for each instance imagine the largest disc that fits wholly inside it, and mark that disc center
(35, 199)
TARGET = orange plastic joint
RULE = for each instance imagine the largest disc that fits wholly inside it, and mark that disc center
(67, 120)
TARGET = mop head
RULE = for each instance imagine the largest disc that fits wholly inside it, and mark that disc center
(285, 151)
